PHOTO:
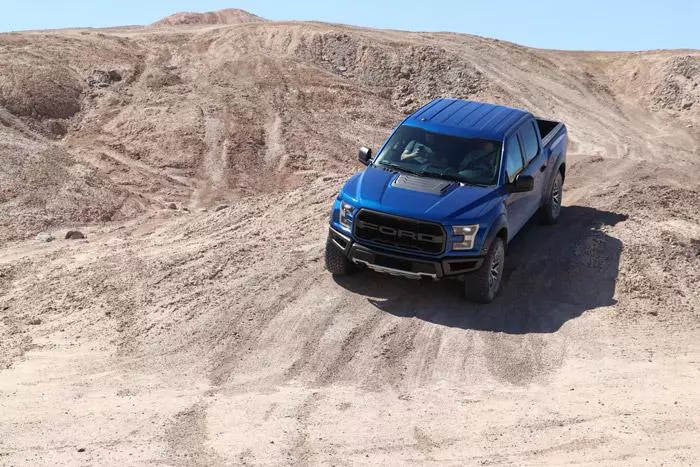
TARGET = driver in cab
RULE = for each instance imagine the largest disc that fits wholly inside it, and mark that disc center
(480, 155)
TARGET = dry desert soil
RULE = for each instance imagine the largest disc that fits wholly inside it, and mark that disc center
(179, 334)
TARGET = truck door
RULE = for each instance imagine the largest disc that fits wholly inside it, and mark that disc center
(515, 202)
(535, 161)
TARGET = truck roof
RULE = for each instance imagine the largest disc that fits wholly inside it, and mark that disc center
(465, 118)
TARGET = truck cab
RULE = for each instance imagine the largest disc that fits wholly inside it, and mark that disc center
(446, 193)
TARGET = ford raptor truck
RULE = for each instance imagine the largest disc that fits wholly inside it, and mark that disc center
(447, 192)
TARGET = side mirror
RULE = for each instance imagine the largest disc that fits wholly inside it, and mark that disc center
(522, 184)
(365, 155)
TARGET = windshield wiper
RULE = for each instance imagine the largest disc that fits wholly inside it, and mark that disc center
(425, 173)
(400, 168)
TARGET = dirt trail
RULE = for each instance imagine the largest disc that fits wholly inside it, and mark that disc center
(185, 337)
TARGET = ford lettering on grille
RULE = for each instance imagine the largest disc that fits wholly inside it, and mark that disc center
(399, 232)
(392, 232)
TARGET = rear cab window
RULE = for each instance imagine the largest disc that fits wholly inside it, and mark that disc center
(531, 145)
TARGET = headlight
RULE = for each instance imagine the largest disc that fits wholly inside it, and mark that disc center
(346, 214)
(468, 233)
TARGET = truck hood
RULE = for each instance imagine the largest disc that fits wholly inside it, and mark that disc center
(421, 197)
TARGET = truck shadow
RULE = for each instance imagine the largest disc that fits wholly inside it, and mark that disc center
(553, 274)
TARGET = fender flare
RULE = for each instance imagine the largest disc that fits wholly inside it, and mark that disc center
(561, 160)
(499, 224)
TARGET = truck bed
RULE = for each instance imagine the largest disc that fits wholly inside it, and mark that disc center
(548, 129)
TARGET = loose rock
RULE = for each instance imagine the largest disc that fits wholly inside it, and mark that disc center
(34, 321)
(74, 235)
(221, 207)
(45, 237)
(103, 79)
(172, 206)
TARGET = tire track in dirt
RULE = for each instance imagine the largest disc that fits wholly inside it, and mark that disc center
(275, 155)
(213, 182)
(301, 452)
(186, 437)
(349, 348)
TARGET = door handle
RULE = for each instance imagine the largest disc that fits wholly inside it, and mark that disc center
(543, 168)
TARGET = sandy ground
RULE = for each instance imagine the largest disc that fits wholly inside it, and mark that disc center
(191, 336)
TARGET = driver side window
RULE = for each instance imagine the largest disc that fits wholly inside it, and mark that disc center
(514, 158)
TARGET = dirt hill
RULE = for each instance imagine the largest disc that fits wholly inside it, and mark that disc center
(216, 337)
(228, 16)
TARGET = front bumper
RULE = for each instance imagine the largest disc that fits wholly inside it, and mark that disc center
(403, 265)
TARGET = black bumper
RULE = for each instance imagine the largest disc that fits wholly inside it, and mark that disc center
(403, 265)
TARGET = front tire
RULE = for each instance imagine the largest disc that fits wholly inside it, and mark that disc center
(482, 285)
(336, 262)
(552, 206)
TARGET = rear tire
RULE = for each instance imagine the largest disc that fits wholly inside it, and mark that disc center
(482, 285)
(552, 205)
(336, 262)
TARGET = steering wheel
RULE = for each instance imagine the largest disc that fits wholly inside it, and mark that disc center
(482, 164)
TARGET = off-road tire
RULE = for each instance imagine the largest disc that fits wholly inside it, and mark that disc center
(482, 285)
(336, 262)
(551, 209)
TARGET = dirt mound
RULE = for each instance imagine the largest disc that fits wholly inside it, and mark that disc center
(412, 73)
(664, 82)
(227, 16)
(679, 85)
(34, 88)
(42, 187)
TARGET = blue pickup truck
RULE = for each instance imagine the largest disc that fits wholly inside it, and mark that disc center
(446, 193)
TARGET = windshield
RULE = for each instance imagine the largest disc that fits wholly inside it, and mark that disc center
(417, 151)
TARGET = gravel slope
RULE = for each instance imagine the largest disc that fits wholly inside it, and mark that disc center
(184, 336)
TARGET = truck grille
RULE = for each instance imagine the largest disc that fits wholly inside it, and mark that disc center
(399, 232)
